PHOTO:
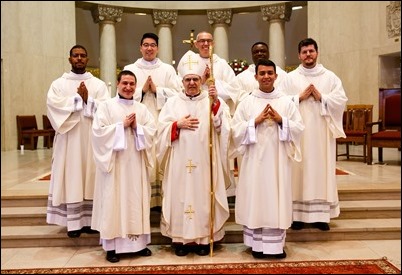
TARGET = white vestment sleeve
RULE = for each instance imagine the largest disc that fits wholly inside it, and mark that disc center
(89, 108)
(284, 132)
(140, 138)
(119, 138)
(250, 137)
(296, 99)
(223, 93)
(78, 103)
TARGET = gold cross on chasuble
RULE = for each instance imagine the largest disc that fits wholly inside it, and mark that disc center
(190, 166)
(189, 62)
(189, 212)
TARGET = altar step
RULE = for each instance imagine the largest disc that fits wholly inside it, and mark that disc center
(26, 226)
(371, 209)
(341, 230)
(345, 194)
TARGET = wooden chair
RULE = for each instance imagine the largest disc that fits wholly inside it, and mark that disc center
(48, 126)
(28, 132)
(355, 119)
(389, 124)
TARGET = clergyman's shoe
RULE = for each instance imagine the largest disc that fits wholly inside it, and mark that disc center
(112, 257)
(145, 252)
(202, 250)
(181, 250)
(74, 233)
(280, 256)
(297, 225)
(88, 230)
(258, 255)
(321, 225)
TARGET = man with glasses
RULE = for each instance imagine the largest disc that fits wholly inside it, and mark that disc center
(223, 74)
(225, 83)
(184, 136)
(156, 82)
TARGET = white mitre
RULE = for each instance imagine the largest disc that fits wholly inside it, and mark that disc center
(191, 63)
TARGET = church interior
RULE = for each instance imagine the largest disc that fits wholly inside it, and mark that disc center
(360, 42)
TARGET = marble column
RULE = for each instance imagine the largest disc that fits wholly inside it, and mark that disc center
(107, 16)
(220, 21)
(164, 20)
(276, 15)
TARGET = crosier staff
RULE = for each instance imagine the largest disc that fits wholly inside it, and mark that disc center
(211, 81)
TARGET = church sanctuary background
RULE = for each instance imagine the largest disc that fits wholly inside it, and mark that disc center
(359, 41)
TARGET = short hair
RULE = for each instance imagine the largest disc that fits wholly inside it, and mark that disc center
(259, 43)
(126, 72)
(78, 47)
(264, 62)
(150, 35)
(307, 42)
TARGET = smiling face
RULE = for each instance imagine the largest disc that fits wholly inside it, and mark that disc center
(204, 40)
(126, 86)
(149, 49)
(259, 51)
(266, 77)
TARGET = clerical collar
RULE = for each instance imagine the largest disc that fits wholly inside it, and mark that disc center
(152, 62)
(125, 100)
(192, 96)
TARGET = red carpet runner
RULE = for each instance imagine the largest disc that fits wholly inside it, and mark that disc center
(381, 266)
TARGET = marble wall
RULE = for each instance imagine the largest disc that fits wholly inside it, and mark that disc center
(35, 40)
(353, 38)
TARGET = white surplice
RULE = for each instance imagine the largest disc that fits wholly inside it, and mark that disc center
(167, 84)
(186, 185)
(315, 193)
(122, 191)
(73, 168)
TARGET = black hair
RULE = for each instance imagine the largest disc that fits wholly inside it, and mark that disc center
(264, 62)
(307, 42)
(126, 72)
(150, 35)
(78, 47)
(259, 43)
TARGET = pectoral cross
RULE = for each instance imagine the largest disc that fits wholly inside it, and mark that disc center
(189, 212)
(190, 166)
(191, 40)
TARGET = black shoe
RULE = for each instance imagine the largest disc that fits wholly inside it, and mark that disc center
(321, 225)
(297, 225)
(181, 250)
(112, 257)
(88, 230)
(258, 255)
(74, 233)
(157, 209)
(280, 256)
(145, 252)
(202, 250)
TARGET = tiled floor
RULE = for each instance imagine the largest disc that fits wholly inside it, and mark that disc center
(18, 172)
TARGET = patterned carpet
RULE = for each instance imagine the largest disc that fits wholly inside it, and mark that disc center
(380, 266)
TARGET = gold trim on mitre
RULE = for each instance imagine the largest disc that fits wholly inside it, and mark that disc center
(190, 63)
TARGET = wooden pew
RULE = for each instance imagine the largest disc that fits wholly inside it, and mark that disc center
(28, 132)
